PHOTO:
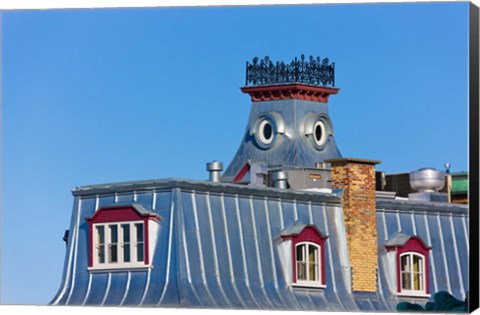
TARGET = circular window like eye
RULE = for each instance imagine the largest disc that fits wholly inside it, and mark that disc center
(265, 132)
(319, 133)
(267, 129)
(317, 129)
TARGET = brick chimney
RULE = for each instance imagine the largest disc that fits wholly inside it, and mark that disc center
(357, 178)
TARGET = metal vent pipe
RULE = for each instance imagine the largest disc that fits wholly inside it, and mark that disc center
(214, 168)
(280, 179)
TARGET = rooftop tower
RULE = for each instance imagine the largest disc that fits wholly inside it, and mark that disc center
(289, 123)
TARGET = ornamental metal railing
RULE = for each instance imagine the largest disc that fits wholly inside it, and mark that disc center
(313, 71)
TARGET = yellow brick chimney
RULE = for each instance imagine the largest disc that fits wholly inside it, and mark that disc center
(357, 178)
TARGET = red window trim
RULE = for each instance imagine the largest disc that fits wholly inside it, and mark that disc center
(413, 245)
(120, 214)
(309, 235)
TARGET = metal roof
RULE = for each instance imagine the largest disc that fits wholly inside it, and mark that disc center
(294, 229)
(216, 249)
(297, 227)
(216, 187)
(421, 206)
(443, 226)
(138, 207)
(398, 240)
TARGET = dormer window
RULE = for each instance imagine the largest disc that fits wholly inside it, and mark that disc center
(305, 244)
(412, 273)
(122, 237)
(308, 263)
(411, 255)
(119, 244)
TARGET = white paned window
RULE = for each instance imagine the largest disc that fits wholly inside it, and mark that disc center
(100, 244)
(126, 245)
(139, 244)
(308, 264)
(412, 273)
(113, 243)
(119, 245)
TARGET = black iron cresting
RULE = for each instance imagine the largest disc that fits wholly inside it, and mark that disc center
(313, 71)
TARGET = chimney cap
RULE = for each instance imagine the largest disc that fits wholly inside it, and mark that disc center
(353, 160)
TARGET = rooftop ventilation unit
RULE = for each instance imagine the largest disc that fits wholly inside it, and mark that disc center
(214, 168)
(427, 180)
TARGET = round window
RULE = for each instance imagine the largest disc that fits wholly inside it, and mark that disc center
(319, 134)
(318, 129)
(265, 131)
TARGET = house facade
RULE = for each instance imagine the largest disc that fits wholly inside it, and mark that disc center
(290, 224)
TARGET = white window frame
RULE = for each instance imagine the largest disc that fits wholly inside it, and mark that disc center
(133, 242)
(309, 283)
(422, 292)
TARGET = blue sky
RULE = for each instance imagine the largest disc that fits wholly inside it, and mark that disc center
(96, 96)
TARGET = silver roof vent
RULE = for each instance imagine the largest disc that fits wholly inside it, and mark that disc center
(427, 180)
(214, 168)
(280, 179)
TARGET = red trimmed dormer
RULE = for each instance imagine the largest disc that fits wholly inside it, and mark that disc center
(120, 236)
(308, 255)
(412, 266)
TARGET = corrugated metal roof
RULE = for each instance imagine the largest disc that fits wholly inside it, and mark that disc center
(216, 249)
